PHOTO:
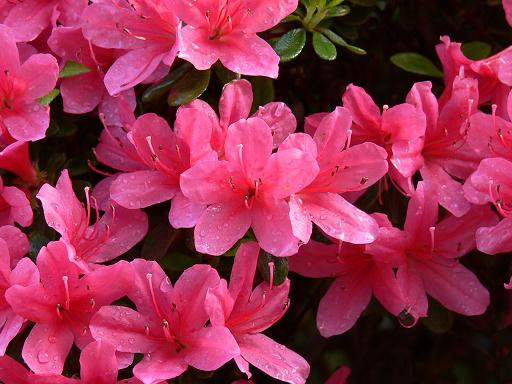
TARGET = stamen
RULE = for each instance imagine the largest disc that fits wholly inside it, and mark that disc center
(88, 201)
(432, 232)
(94, 169)
(66, 289)
(59, 308)
(349, 139)
(271, 267)
(149, 276)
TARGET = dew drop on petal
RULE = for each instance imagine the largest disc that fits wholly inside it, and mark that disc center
(43, 357)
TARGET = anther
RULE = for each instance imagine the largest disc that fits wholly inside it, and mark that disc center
(66, 289)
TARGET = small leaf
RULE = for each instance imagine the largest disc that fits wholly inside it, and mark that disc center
(224, 74)
(323, 47)
(290, 45)
(416, 63)
(45, 100)
(164, 85)
(364, 3)
(158, 241)
(342, 10)
(333, 3)
(337, 39)
(188, 88)
(72, 68)
(263, 91)
(476, 50)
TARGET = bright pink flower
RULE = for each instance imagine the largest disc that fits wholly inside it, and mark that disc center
(14, 206)
(248, 189)
(447, 156)
(25, 273)
(20, 88)
(28, 18)
(247, 313)
(14, 157)
(12, 372)
(507, 6)
(145, 29)
(492, 182)
(494, 74)
(164, 154)
(83, 93)
(399, 129)
(17, 242)
(357, 275)
(340, 376)
(342, 169)
(118, 230)
(226, 31)
(235, 104)
(63, 304)
(429, 252)
(169, 324)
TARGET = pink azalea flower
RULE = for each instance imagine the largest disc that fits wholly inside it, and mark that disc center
(118, 230)
(248, 189)
(14, 157)
(145, 29)
(235, 104)
(494, 74)
(20, 88)
(83, 93)
(357, 275)
(340, 376)
(17, 243)
(28, 18)
(25, 273)
(14, 206)
(447, 157)
(491, 182)
(98, 364)
(507, 6)
(430, 250)
(226, 31)
(63, 304)
(165, 154)
(342, 169)
(399, 129)
(169, 324)
(247, 313)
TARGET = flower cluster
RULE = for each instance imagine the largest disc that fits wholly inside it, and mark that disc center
(247, 182)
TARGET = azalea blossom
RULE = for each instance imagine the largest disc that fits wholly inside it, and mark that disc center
(247, 313)
(62, 305)
(145, 29)
(169, 324)
(248, 190)
(14, 206)
(118, 230)
(226, 31)
(21, 85)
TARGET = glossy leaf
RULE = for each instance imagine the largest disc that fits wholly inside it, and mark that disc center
(72, 68)
(290, 45)
(46, 100)
(189, 87)
(416, 63)
(164, 85)
(476, 50)
(324, 48)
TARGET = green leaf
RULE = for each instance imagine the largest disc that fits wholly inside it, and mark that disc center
(364, 3)
(158, 241)
(290, 45)
(323, 47)
(416, 63)
(476, 50)
(342, 10)
(333, 3)
(263, 91)
(45, 100)
(189, 87)
(337, 39)
(280, 267)
(72, 68)
(164, 85)
(223, 74)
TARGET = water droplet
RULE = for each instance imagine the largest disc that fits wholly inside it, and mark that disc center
(406, 319)
(43, 357)
(52, 339)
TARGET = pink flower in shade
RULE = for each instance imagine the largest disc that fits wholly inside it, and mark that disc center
(492, 182)
(399, 129)
(448, 159)
(507, 6)
(169, 324)
(98, 365)
(248, 189)
(357, 276)
(340, 376)
(247, 313)
(430, 252)
(494, 74)
(83, 93)
(226, 30)
(25, 273)
(118, 230)
(14, 157)
(20, 86)
(14, 206)
(63, 304)
(235, 104)
(165, 154)
(17, 243)
(28, 18)
(145, 29)
(342, 169)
